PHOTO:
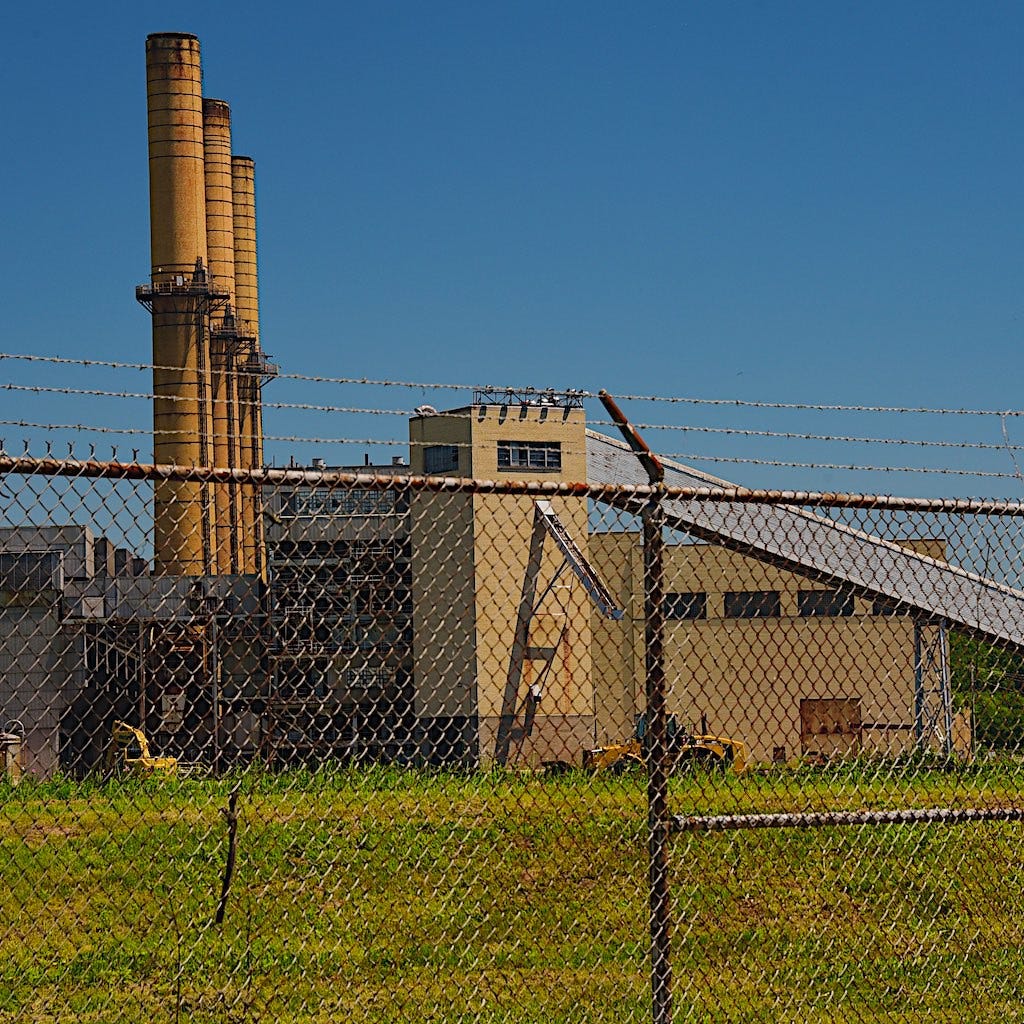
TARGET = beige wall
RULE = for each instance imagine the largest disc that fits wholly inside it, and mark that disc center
(443, 606)
(470, 556)
(748, 676)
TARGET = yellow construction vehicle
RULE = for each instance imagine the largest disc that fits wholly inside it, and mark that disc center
(128, 753)
(687, 750)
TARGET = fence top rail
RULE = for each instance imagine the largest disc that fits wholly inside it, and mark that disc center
(25, 465)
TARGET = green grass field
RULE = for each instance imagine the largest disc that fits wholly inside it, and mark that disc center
(383, 895)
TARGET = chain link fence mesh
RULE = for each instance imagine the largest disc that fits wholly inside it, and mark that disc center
(410, 769)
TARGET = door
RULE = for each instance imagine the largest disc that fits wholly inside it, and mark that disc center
(830, 727)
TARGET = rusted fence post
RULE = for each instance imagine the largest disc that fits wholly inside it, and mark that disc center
(659, 823)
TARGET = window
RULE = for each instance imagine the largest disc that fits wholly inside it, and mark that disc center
(529, 455)
(881, 606)
(31, 570)
(368, 678)
(812, 603)
(753, 604)
(323, 501)
(440, 458)
(686, 606)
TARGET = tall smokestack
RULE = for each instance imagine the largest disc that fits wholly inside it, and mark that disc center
(220, 238)
(179, 297)
(243, 184)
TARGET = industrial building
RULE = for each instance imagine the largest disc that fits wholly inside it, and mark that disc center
(340, 620)
(87, 636)
(794, 668)
(494, 645)
(177, 642)
(517, 660)
(310, 623)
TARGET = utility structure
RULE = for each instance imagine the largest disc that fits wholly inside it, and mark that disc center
(545, 524)
(208, 366)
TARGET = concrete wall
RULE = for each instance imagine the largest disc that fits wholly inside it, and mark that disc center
(40, 674)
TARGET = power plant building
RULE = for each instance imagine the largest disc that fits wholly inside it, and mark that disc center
(517, 660)
(303, 623)
(483, 663)
(793, 668)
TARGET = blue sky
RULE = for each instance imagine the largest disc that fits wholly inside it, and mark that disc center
(792, 202)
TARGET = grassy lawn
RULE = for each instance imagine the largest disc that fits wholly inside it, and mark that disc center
(386, 895)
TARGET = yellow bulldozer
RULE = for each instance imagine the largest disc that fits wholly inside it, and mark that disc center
(687, 750)
(128, 753)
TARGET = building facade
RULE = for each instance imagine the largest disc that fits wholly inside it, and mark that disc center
(792, 668)
(501, 634)
(340, 616)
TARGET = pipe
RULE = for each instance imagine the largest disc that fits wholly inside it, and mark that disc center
(220, 237)
(179, 298)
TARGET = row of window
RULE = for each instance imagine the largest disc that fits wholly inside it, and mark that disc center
(529, 455)
(767, 604)
(532, 455)
(331, 501)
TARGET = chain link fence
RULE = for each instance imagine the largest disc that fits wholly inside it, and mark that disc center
(476, 751)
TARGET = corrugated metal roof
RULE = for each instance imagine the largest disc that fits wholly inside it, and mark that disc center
(823, 550)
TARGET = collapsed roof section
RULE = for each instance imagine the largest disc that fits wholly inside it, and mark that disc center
(821, 549)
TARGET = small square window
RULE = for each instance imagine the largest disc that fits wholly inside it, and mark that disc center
(813, 603)
(680, 606)
(753, 604)
(440, 458)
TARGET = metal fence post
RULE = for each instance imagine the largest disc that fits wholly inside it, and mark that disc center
(659, 823)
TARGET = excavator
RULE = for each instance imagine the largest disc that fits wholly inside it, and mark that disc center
(687, 750)
(128, 753)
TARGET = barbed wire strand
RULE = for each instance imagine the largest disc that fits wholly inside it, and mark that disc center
(458, 414)
(680, 456)
(582, 393)
(726, 431)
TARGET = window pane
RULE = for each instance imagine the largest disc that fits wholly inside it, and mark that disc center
(529, 455)
(824, 602)
(753, 604)
(686, 606)
(440, 458)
